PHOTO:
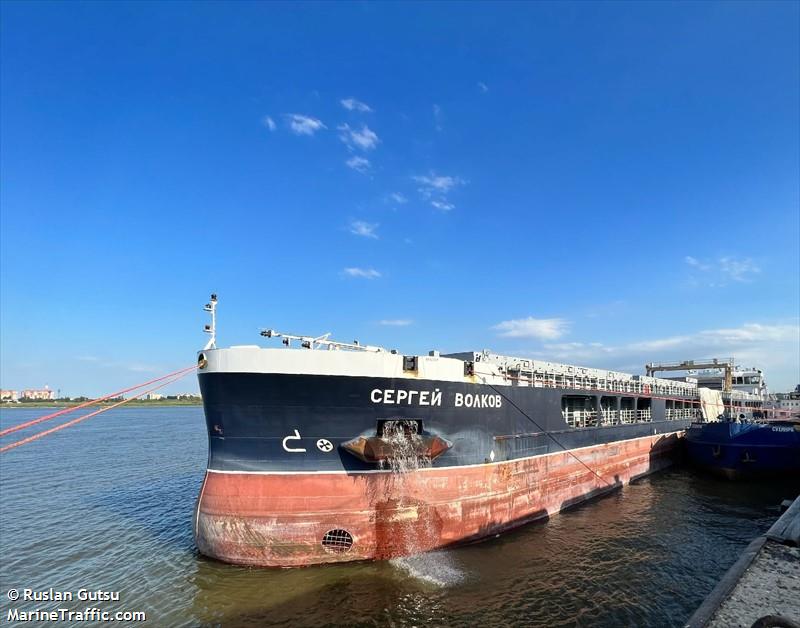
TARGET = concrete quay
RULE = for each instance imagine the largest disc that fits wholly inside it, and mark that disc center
(762, 589)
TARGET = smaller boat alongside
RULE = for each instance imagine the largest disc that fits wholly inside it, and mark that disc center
(739, 449)
(747, 440)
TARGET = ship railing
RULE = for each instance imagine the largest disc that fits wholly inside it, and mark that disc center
(681, 413)
(611, 417)
(581, 418)
(579, 382)
(588, 418)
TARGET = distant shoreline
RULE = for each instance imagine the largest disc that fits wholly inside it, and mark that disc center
(132, 402)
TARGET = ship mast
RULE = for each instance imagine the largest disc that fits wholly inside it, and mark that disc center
(211, 307)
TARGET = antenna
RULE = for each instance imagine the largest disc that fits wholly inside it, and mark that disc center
(211, 308)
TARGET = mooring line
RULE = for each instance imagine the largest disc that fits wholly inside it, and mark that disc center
(39, 435)
(47, 417)
(546, 433)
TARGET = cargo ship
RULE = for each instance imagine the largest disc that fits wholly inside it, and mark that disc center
(330, 452)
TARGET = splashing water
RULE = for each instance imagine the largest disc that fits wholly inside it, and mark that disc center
(435, 568)
(414, 536)
(404, 440)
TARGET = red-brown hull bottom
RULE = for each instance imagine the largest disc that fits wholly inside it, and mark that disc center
(279, 520)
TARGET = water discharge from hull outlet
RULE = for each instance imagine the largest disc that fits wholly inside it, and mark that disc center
(404, 442)
(414, 536)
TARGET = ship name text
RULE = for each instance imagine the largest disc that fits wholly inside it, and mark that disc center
(407, 397)
(391, 396)
(468, 400)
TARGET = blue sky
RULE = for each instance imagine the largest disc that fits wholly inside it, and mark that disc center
(598, 183)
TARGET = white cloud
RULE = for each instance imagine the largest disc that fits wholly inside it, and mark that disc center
(542, 328)
(437, 116)
(304, 125)
(359, 164)
(364, 273)
(364, 229)
(351, 104)
(433, 183)
(771, 347)
(694, 262)
(750, 333)
(268, 122)
(398, 198)
(483, 87)
(719, 272)
(434, 188)
(738, 270)
(396, 322)
(365, 139)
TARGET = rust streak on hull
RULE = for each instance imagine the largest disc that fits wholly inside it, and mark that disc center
(279, 520)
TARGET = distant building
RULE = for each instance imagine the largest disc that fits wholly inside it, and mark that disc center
(153, 396)
(187, 396)
(9, 396)
(38, 394)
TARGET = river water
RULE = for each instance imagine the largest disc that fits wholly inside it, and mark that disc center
(108, 505)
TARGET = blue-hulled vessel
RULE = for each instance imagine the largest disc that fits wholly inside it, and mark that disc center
(738, 449)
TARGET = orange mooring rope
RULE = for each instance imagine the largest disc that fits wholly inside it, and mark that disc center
(47, 417)
(175, 377)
